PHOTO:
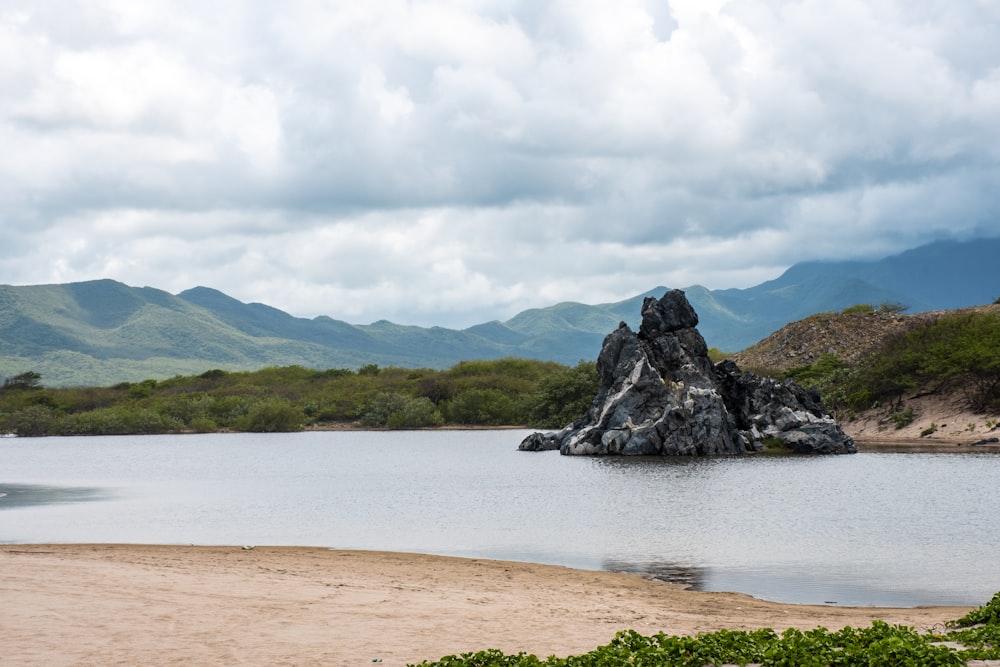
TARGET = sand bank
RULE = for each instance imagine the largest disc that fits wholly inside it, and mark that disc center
(160, 605)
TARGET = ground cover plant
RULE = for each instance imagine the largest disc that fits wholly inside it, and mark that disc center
(978, 633)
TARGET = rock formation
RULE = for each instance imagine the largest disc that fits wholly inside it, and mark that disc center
(660, 394)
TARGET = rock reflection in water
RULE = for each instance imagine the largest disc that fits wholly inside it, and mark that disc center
(29, 495)
(689, 576)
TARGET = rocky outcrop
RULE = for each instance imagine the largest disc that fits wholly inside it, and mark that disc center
(660, 394)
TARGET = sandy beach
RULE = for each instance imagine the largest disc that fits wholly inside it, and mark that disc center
(161, 605)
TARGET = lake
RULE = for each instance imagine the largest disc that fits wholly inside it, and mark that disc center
(869, 529)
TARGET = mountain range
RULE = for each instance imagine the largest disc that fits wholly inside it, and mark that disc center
(103, 332)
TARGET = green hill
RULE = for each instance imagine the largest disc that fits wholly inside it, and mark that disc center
(103, 332)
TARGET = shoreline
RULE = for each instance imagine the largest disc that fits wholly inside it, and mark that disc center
(936, 445)
(883, 440)
(163, 604)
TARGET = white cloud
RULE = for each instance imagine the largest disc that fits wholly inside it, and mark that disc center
(449, 161)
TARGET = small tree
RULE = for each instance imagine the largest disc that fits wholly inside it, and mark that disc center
(482, 406)
(399, 411)
(565, 396)
(272, 416)
(33, 420)
(28, 380)
(894, 308)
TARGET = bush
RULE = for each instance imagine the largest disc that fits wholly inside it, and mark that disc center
(31, 421)
(715, 355)
(989, 614)
(565, 396)
(879, 644)
(826, 367)
(203, 425)
(415, 413)
(272, 416)
(957, 350)
(118, 420)
(508, 391)
(487, 407)
(389, 409)
(901, 419)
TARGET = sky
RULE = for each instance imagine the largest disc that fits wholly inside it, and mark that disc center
(449, 162)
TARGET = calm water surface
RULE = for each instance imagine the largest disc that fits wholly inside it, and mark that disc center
(868, 529)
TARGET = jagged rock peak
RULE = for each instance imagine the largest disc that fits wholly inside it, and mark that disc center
(669, 313)
(660, 394)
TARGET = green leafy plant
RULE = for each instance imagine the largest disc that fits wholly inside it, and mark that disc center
(958, 351)
(988, 614)
(902, 418)
(878, 644)
(272, 416)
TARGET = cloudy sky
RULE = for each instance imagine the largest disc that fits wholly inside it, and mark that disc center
(451, 162)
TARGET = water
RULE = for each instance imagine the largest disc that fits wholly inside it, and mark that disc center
(869, 529)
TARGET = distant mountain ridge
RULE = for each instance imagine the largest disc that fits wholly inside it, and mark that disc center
(104, 332)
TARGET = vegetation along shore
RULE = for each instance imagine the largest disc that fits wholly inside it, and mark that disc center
(886, 377)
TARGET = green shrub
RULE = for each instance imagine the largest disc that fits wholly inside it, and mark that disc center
(822, 372)
(142, 389)
(389, 409)
(506, 391)
(33, 420)
(879, 644)
(858, 308)
(482, 407)
(960, 351)
(415, 413)
(203, 425)
(376, 413)
(272, 416)
(903, 418)
(118, 420)
(715, 355)
(988, 613)
(565, 396)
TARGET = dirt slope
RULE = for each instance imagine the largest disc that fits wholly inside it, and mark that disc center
(941, 418)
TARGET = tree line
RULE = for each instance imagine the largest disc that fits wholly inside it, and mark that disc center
(503, 392)
(957, 352)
